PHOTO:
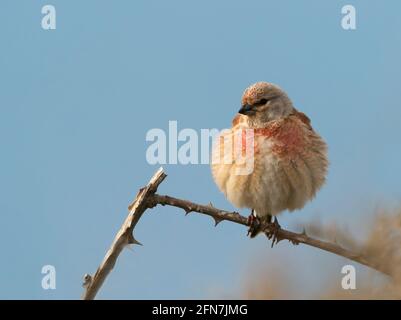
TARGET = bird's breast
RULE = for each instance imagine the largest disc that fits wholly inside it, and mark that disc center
(285, 165)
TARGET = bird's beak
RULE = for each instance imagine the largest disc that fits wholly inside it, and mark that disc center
(246, 109)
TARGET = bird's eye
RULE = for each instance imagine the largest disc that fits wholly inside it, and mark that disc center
(261, 102)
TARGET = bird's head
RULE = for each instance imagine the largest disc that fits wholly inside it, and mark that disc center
(263, 102)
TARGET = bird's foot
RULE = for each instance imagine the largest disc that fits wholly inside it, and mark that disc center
(254, 225)
(272, 231)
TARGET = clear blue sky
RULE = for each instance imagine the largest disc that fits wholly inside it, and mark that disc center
(76, 103)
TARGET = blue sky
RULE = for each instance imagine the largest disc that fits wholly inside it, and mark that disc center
(76, 104)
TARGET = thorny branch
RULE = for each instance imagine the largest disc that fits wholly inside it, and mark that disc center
(147, 198)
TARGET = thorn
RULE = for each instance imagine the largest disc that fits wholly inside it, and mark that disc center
(304, 231)
(217, 221)
(211, 205)
(187, 211)
(132, 240)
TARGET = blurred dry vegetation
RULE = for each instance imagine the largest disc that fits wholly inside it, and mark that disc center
(279, 278)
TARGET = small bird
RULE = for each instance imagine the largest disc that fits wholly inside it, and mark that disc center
(288, 157)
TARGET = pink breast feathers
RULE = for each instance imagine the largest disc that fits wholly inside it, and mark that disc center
(287, 136)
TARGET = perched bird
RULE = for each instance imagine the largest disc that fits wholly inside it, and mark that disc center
(286, 157)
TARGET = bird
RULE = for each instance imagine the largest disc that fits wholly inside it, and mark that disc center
(270, 160)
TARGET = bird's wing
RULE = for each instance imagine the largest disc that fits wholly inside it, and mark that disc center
(304, 118)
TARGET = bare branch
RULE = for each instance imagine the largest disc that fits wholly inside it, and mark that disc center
(147, 198)
(296, 238)
(123, 238)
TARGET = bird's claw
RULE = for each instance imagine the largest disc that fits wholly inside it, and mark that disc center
(254, 225)
(272, 232)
